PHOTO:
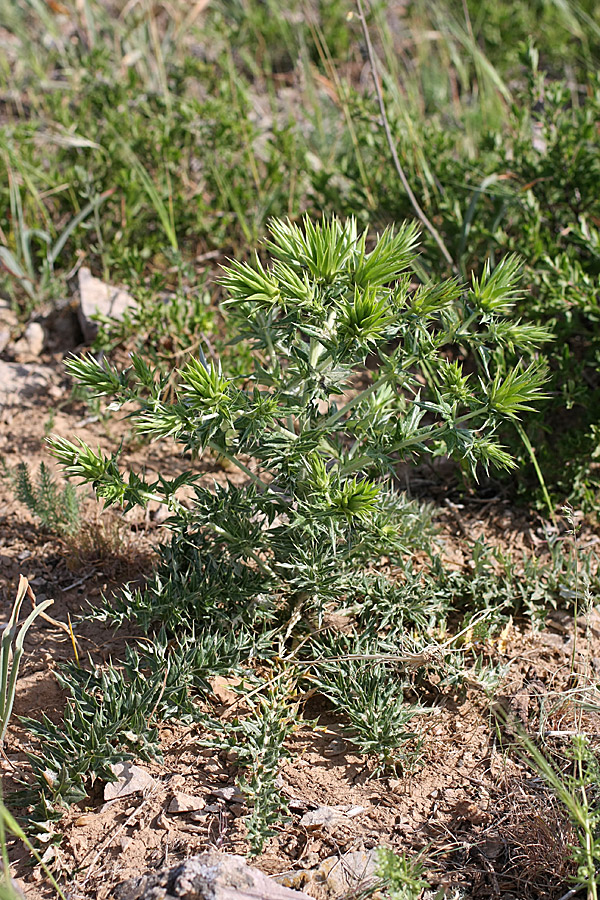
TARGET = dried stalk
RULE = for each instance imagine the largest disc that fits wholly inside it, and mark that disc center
(388, 133)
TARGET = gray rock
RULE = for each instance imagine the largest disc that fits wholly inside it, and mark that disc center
(30, 346)
(350, 873)
(4, 337)
(230, 793)
(184, 803)
(209, 876)
(19, 382)
(131, 779)
(95, 296)
(337, 876)
(329, 816)
(8, 322)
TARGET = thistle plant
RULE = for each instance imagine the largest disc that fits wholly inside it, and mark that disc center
(317, 434)
(354, 371)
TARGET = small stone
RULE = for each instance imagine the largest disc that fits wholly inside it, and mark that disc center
(335, 748)
(229, 793)
(354, 811)
(4, 338)
(97, 297)
(323, 816)
(31, 344)
(84, 820)
(351, 873)
(130, 780)
(184, 803)
(201, 814)
(8, 323)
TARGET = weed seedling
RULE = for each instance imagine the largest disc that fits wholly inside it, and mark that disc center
(56, 507)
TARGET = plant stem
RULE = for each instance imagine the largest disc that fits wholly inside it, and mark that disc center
(336, 416)
(240, 465)
(529, 447)
(438, 430)
(226, 535)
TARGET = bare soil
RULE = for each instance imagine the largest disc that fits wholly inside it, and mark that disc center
(482, 819)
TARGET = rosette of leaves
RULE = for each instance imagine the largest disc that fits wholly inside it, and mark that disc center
(316, 432)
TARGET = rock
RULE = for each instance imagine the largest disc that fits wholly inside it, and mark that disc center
(182, 803)
(130, 780)
(95, 296)
(18, 382)
(211, 809)
(30, 346)
(336, 747)
(230, 793)
(209, 876)
(8, 318)
(350, 873)
(337, 876)
(4, 337)
(329, 816)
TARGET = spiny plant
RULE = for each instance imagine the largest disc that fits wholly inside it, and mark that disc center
(112, 713)
(57, 507)
(9, 890)
(354, 370)
(495, 184)
(401, 877)
(257, 742)
(110, 716)
(316, 434)
(352, 673)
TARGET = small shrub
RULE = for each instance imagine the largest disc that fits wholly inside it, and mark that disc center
(57, 507)
(109, 718)
(317, 437)
(371, 696)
